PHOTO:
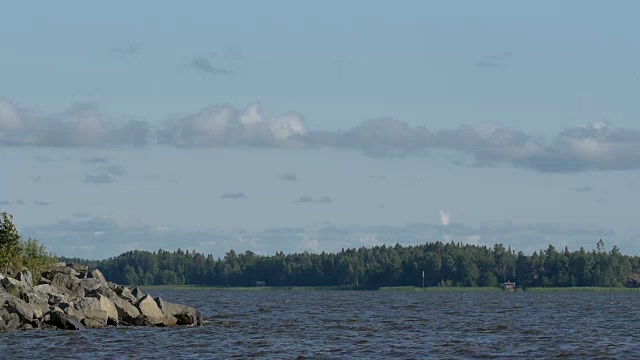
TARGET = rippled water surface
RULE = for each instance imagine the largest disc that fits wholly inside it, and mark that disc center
(363, 324)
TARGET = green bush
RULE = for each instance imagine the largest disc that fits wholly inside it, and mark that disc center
(17, 254)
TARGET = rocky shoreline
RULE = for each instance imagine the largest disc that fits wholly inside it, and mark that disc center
(68, 296)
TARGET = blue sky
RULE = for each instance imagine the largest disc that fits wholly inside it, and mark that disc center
(294, 126)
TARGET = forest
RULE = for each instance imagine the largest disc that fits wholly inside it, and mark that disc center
(443, 264)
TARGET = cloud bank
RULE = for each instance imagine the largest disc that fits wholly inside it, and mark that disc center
(593, 146)
(101, 237)
(81, 125)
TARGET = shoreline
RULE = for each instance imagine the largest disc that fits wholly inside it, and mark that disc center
(383, 289)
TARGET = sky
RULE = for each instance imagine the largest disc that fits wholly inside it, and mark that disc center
(316, 126)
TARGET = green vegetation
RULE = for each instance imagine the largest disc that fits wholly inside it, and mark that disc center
(17, 254)
(582, 289)
(445, 265)
(440, 289)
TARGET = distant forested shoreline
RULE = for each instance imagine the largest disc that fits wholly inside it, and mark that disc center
(444, 264)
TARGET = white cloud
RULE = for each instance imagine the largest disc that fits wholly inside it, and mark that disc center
(309, 244)
(592, 146)
(217, 126)
(70, 237)
(370, 240)
(445, 217)
(79, 125)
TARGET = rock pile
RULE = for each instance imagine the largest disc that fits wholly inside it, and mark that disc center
(69, 297)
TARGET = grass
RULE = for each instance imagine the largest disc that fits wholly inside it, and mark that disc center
(440, 289)
(580, 289)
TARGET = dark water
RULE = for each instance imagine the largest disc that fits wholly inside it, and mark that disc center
(359, 324)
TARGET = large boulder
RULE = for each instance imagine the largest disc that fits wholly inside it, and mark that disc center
(149, 308)
(26, 278)
(15, 305)
(60, 320)
(11, 321)
(97, 274)
(45, 289)
(137, 293)
(91, 284)
(81, 271)
(12, 286)
(125, 293)
(107, 305)
(59, 268)
(69, 286)
(185, 315)
(89, 311)
(125, 310)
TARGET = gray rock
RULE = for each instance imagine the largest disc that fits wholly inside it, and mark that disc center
(149, 308)
(91, 284)
(125, 310)
(25, 278)
(137, 293)
(107, 305)
(56, 299)
(89, 312)
(185, 315)
(38, 301)
(64, 298)
(59, 268)
(17, 306)
(125, 293)
(143, 320)
(12, 285)
(12, 321)
(80, 271)
(96, 274)
(63, 321)
(68, 286)
(45, 289)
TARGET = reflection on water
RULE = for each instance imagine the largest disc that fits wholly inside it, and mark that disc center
(362, 324)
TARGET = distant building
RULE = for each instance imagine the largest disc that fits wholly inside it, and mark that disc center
(509, 286)
(261, 283)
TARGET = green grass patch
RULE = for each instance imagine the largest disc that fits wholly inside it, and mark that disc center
(580, 289)
(440, 289)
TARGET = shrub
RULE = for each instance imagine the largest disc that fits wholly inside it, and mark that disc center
(17, 254)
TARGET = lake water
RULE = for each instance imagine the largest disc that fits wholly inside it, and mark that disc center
(287, 324)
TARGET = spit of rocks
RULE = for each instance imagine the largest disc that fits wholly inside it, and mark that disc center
(69, 297)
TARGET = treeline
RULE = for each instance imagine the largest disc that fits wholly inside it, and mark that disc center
(444, 264)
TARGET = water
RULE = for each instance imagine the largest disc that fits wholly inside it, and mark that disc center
(362, 324)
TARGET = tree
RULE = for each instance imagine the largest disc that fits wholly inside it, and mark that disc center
(16, 254)
(9, 242)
